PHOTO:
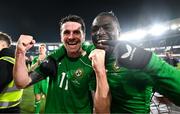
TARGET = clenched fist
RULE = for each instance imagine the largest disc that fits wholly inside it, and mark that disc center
(97, 56)
(24, 43)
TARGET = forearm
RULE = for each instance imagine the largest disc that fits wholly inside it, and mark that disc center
(102, 94)
(20, 71)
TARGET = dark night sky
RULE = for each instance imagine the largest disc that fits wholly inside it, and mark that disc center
(40, 18)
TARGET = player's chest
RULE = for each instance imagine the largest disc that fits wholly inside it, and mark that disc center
(76, 74)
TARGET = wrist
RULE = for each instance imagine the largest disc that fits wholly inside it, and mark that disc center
(101, 73)
(19, 53)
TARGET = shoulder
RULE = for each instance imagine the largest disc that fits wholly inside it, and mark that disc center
(88, 47)
(7, 52)
(58, 53)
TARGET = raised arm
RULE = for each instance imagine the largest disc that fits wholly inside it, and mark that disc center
(101, 97)
(165, 77)
(20, 71)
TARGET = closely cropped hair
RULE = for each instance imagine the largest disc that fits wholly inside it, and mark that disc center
(43, 44)
(5, 37)
(73, 18)
(111, 14)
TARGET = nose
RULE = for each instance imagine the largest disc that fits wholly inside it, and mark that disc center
(70, 35)
(101, 31)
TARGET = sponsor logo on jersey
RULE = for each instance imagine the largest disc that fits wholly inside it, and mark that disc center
(129, 53)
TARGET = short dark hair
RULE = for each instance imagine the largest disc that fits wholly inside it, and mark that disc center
(111, 14)
(5, 37)
(73, 18)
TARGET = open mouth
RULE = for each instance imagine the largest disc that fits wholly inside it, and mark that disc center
(72, 42)
(100, 41)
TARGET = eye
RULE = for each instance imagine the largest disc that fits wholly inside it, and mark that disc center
(108, 27)
(94, 29)
(66, 32)
(77, 32)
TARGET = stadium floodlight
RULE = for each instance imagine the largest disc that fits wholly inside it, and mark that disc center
(158, 30)
(135, 35)
(139, 34)
(174, 27)
(50, 47)
(125, 36)
(177, 46)
(153, 49)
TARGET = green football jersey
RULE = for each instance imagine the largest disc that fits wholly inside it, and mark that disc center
(41, 86)
(69, 91)
(131, 90)
(166, 78)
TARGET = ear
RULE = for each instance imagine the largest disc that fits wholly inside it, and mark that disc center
(4, 44)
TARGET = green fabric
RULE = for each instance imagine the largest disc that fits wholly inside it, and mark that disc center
(69, 91)
(41, 86)
(37, 107)
(166, 78)
(130, 89)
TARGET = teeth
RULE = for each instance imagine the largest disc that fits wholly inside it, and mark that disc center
(71, 43)
(99, 41)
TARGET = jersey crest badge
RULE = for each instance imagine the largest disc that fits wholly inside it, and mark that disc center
(78, 73)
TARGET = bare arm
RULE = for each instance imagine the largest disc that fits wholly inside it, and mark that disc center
(32, 68)
(40, 58)
(20, 71)
(101, 97)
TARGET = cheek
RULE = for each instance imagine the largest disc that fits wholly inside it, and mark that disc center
(63, 39)
(82, 39)
(112, 35)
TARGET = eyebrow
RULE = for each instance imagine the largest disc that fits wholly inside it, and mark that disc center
(79, 28)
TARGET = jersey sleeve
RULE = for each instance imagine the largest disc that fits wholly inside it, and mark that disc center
(165, 77)
(37, 70)
(55, 56)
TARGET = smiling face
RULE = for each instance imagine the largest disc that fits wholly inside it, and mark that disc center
(42, 49)
(72, 37)
(104, 28)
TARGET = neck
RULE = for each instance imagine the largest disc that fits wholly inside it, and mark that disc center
(42, 54)
(75, 54)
